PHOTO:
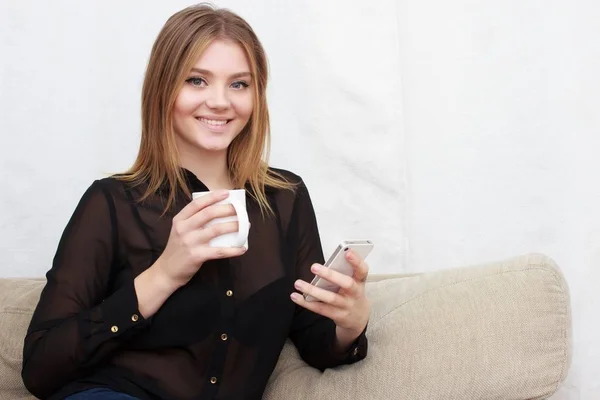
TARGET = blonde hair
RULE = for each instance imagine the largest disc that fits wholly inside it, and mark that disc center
(182, 40)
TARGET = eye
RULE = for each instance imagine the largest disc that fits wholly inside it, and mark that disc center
(238, 85)
(195, 81)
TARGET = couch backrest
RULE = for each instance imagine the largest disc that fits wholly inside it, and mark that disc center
(500, 330)
(18, 298)
(492, 331)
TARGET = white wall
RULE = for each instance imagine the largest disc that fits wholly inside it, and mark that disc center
(502, 135)
(451, 133)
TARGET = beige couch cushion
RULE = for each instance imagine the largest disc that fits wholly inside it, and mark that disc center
(498, 331)
(18, 298)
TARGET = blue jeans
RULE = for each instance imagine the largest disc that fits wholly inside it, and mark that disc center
(100, 394)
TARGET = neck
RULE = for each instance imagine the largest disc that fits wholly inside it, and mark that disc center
(209, 167)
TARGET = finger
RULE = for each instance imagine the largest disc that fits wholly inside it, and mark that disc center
(320, 294)
(209, 213)
(200, 203)
(345, 282)
(211, 232)
(214, 253)
(361, 268)
(324, 309)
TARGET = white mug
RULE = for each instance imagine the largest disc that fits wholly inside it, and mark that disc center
(237, 198)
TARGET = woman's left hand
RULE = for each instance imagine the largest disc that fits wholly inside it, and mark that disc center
(349, 308)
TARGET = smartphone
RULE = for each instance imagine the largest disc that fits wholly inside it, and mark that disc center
(338, 262)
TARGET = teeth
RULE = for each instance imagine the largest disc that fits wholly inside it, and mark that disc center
(213, 122)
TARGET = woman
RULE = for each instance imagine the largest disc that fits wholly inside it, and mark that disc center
(137, 305)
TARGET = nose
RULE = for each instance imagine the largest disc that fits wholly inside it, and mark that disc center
(218, 99)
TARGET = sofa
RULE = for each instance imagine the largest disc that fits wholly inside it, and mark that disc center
(500, 330)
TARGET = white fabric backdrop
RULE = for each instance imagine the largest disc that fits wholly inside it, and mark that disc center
(450, 133)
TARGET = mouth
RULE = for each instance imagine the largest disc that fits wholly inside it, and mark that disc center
(216, 125)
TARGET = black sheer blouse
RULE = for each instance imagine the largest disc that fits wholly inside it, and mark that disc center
(218, 337)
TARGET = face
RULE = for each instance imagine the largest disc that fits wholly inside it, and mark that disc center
(215, 102)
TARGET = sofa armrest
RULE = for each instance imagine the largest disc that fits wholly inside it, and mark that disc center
(499, 330)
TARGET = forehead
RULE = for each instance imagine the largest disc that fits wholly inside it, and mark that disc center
(223, 57)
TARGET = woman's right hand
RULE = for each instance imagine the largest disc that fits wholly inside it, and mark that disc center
(188, 245)
(186, 250)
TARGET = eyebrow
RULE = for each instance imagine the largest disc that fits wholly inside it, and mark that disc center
(233, 76)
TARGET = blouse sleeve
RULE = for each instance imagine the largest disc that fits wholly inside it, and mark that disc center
(79, 321)
(313, 334)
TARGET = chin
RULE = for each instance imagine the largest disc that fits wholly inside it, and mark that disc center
(213, 146)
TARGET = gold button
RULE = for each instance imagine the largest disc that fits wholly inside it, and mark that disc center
(355, 351)
(213, 380)
(224, 337)
(114, 329)
(135, 317)
(229, 293)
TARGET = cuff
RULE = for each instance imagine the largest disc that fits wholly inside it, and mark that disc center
(121, 312)
(116, 316)
(356, 351)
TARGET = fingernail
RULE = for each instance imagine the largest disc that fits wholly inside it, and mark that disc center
(295, 296)
(316, 268)
(297, 284)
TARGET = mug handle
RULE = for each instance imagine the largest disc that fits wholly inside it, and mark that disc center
(243, 221)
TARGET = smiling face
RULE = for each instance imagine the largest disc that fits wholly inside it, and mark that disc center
(215, 103)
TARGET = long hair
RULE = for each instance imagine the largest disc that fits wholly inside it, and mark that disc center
(180, 43)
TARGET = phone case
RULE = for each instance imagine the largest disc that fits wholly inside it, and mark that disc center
(338, 262)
